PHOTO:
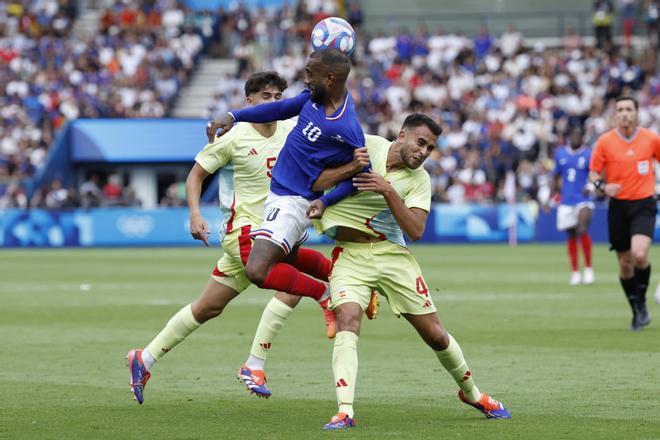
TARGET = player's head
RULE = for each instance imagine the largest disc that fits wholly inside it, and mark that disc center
(418, 137)
(626, 112)
(576, 137)
(326, 71)
(264, 87)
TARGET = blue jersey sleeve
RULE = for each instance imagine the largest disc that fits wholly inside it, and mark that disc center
(557, 165)
(272, 111)
(343, 189)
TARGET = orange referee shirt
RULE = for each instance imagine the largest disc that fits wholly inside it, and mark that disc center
(628, 162)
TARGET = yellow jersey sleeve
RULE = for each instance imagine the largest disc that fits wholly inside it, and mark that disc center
(218, 153)
(419, 190)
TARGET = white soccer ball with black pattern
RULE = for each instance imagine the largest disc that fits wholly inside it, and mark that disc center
(334, 32)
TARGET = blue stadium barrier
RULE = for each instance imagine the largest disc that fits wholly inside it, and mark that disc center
(107, 227)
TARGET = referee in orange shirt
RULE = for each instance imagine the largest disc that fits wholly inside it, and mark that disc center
(622, 167)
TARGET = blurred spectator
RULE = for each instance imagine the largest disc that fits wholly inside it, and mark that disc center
(59, 197)
(652, 19)
(571, 39)
(510, 41)
(175, 195)
(90, 192)
(14, 197)
(483, 43)
(627, 12)
(602, 21)
(113, 190)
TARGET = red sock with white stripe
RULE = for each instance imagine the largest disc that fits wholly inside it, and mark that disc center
(573, 253)
(312, 263)
(286, 278)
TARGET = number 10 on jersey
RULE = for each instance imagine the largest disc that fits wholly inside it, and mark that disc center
(312, 132)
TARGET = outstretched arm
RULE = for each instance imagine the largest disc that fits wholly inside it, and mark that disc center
(199, 228)
(272, 111)
(259, 114)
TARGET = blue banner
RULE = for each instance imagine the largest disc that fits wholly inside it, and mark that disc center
(107, 227)
(170, 226)
(472, 223)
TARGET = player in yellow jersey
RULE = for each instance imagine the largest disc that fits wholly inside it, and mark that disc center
(371, 253)
(245, 156)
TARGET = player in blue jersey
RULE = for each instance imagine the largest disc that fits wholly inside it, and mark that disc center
(576, 207)
(326, 136)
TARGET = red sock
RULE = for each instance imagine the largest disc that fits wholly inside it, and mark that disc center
(286, 278)
(312, 263)
(586, 249)
(573, 253)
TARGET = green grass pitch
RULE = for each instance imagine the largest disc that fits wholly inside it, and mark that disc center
(562, 359)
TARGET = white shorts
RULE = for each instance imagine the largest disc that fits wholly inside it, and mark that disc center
(567, 215)
(285, 221)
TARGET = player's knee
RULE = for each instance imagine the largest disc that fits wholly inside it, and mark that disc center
(639, 257)
(256, 274)
(347, 322)
(203, 311)
(438, 339)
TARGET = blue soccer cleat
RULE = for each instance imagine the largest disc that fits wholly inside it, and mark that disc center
(339, 421)
(254, 380)
(138, 374)
(489, 406)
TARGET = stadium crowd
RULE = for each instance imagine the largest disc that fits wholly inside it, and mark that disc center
(504, 106)
(133, 67)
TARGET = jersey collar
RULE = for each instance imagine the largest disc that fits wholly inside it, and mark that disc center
(338, 114)
(573, 152)
(625, 139)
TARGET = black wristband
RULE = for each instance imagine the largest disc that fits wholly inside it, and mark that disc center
(599, 184)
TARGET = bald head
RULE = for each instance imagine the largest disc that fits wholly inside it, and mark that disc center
(333, 61)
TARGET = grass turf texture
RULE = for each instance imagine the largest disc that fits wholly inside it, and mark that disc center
(560, 357)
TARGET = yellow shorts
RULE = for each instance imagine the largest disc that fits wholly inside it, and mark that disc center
(359, 268)
(230, 269)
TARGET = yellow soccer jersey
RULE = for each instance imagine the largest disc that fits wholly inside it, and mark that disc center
(368, 211)
(246, 158)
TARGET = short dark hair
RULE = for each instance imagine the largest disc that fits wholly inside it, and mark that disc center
(628, 98)
(417, 119)
(334, 60)
(260, 80)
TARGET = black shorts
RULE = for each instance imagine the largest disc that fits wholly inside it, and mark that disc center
(626, 218)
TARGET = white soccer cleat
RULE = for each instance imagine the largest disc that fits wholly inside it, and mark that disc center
(588, 276)
(576, 278)
(657, 294)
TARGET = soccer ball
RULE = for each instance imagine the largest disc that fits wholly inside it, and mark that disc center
(334, 32)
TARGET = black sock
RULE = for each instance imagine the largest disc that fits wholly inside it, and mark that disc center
(631, 289)
(643, 276)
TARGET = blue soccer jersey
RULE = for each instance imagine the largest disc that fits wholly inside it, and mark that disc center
(573, 167)
(318, 141)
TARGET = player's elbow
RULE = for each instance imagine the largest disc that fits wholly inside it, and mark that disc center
(319, 186)
(416, 234)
